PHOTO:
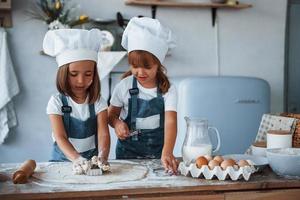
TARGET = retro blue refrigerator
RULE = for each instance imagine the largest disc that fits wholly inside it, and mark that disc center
(234, 105)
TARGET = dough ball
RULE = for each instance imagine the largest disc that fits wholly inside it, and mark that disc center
(104, 167)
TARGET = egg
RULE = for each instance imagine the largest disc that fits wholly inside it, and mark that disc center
(243, 163)
(208, 157)
(213, 163)
(201, 161)
(219, 159)
(228, 163)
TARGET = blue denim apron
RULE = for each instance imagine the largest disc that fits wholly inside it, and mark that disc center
(149, 142)
(77, 129)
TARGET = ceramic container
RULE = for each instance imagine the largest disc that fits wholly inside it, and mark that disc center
(259, 148)
(285, 161)
(279, 139)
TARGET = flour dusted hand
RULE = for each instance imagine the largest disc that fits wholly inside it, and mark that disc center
(81, 165)
(104, 165)
(102, 159)
(170, 163)
(101, 163)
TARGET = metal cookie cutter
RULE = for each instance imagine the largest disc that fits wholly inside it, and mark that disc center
(134, 135)
(136, 132)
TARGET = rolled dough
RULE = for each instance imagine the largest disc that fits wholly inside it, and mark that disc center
(62, 173)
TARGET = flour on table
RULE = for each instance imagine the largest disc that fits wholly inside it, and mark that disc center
(119, 172)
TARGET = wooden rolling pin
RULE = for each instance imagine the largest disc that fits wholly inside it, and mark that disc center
(24, 172)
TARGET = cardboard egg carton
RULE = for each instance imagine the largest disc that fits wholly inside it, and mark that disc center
(229, 173)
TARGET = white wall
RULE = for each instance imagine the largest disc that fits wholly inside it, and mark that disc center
(250, 43)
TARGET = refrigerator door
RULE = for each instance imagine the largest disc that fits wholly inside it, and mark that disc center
(234, 105)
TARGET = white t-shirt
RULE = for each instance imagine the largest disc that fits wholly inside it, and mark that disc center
(79, 111)
(121, 95)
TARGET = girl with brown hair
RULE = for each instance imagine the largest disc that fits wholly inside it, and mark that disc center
(143, 105)
(78, 113)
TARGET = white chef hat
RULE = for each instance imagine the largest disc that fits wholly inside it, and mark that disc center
(70, 45)
(149, 35)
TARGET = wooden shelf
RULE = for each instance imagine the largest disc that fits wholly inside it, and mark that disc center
(181, 3)
(5, 4)
(5, 13)
(174, 3)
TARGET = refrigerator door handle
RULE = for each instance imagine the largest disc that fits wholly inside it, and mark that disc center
(247, 101)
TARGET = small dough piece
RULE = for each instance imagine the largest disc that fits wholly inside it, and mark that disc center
(104, 167)
(94, 160)
(94, 172)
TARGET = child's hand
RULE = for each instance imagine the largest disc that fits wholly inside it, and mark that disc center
(80, 165)
(102, 159)
(121, 130)
(169, 162)
(103, 164)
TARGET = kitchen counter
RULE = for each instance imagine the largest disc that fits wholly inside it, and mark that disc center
(155, 185)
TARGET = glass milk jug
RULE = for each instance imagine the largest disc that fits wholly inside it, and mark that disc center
(197, 141)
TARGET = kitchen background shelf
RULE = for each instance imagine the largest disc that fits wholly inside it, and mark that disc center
(5, 14)
(186, 4)
(172, 3)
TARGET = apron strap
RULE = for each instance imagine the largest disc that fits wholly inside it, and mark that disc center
(92, 110)
(159, 95)
(66, 109)
(134, 91)
(92, 115)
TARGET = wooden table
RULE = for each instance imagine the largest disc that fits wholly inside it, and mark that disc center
(157, 185)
